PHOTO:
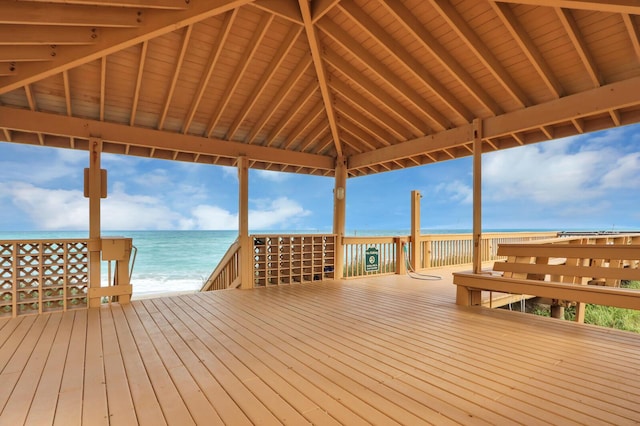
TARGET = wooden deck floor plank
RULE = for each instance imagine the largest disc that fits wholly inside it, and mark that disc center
(96, 410)
(199, 407)
(17, 353)
(165, 390)
(69, 401)
(146, 404)
(484, 335)
(343, 344)
(43, 407)
(239, 344)
(17, 407)
(225, 348)
(518, 389)
(12, 339)
(7, 329)
(387, 400)
(585, 399)
(229, 395)
(119, 399)
(342, 389)
(283, 404)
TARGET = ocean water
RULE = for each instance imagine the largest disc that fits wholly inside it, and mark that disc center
(175, 261)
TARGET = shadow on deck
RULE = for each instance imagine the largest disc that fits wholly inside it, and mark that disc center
(381, 350)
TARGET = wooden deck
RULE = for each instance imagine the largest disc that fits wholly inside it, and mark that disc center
(369, 351)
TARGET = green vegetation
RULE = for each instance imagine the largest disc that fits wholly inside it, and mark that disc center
(606, 316)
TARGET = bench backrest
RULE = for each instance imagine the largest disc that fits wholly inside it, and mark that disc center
(603, 264)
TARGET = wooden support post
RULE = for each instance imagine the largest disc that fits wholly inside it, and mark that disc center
(339, 215)
(95, 191)
(415, 230)
(477, 195)
(246, 245)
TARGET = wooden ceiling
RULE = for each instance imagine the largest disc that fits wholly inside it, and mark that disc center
(297, 85)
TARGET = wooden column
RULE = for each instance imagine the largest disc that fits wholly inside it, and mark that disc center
(246, 245)
(339, 215)
(415, 229)
(95, 192)
(477, 195)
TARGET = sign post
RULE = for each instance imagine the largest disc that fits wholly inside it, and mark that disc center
(372, 260)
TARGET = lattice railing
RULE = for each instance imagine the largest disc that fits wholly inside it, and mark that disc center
(39, 276)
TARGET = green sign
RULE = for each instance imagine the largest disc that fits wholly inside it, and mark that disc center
(371, 264)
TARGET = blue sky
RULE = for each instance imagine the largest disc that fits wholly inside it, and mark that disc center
(585, 182)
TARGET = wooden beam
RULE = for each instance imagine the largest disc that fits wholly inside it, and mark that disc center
(258, 34)
(138, 4)
(220, 42)
(136, 92)
(103, 85)
(388, 111)
(395, 83)
(285, 47)
(482, 52)
(573, 31)
(67, 92)
(410, 63)
(26, 53)
(320, 7)
(303, 125)
(25, 35)
(25, 13)
(634, 33)
(363, 121)
(39, 122)
(528, 47)
(617, 95)
(154, 24)
(288, 10)
(440, 53)
(279, 97)
(314, 45)
(176, 73)
(613, 6)
(304, 97)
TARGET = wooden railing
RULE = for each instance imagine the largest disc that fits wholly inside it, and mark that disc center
(439, 250)
(38, 276)
(356, 257)
(435, 250)
(227, 273)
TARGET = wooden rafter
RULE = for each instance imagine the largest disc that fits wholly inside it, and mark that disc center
(482, 52)
(313, 136)
(214, 56)
(258, 35)
(67, 92)
(159, 4)
(277, 100)
(528, 47)
(26, 53)
(395, 83)
(303, 125)
(103, 85)
(24, 35)
(136, 91)
(176, 73)
(613, 6)
(285, 9)
(374, 129)
(301, 100)
(441, 54)
(23, 13)
(394, 113)
(314, 45)
(39, 122)
(411, 64)
(571, 26)
(155, 24)
(280, 55)
(634, 33)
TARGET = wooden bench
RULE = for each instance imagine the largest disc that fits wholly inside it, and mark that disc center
(583, 273)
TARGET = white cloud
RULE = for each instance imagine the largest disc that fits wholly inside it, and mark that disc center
(456, 191)
(625, 173)
(271, 175)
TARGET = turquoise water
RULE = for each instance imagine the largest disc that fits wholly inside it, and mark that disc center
(169, 261)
